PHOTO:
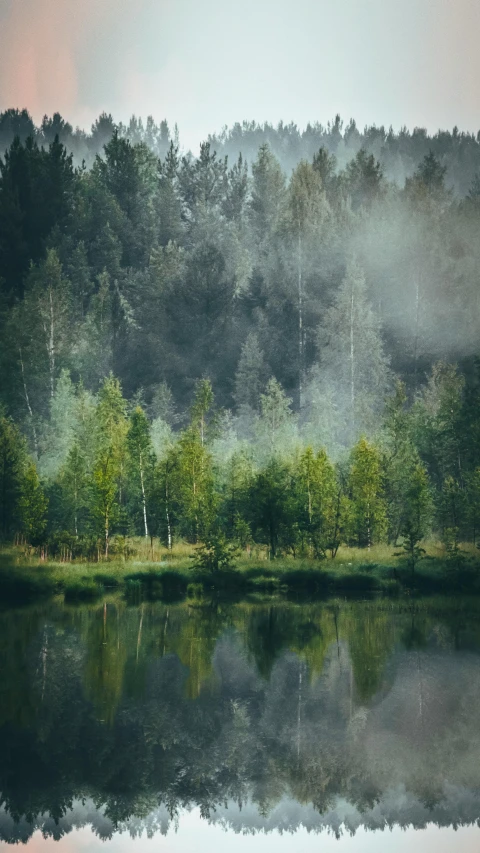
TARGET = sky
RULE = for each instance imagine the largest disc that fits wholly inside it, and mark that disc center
(208, 64)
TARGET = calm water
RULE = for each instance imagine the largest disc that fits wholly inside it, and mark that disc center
(253, 725)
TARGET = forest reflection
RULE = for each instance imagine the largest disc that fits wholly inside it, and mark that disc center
(262, 715)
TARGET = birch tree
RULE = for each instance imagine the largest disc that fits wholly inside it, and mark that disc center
(48, 298)
(140, 461)
(109, 462)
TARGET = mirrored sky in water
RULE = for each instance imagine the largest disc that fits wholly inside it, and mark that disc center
(197, 836)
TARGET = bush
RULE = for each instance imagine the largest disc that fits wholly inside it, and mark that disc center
(85, 590)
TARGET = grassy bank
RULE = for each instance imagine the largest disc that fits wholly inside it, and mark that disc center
(172, 575)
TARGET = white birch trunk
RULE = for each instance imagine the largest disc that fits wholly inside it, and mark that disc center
(300, 321)
(352, 361)
(144, 500)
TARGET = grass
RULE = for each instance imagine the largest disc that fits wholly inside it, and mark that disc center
(171, 576)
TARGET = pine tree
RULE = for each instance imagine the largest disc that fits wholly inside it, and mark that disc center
(250, 378)
(305, 214)
(277, 423)
(268, 194)
(351, 357)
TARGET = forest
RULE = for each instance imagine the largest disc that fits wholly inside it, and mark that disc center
(272, 343)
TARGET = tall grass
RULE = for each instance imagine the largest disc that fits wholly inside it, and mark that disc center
(172, 574)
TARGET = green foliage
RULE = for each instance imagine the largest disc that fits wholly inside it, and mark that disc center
(149, 271)
(32, 506)
(215, 554)
(368, 509)
(12, 461)
(417, 513)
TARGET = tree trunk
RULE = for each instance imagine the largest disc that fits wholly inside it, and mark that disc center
(300, 322)
(27, 400)
(352, 362)
(167, 514)
(417, 324)
(106, 534)
(144, 501)
(50, 334)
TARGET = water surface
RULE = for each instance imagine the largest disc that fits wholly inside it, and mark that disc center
(255, 724)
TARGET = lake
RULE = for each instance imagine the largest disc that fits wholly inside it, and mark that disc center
(340, 725)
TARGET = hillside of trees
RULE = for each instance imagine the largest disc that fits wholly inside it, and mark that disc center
(279, 349)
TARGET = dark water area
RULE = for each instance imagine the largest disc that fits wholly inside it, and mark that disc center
(213, 723)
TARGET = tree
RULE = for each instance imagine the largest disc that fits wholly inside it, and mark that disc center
(400, 459)
(196, 486)
(368, 523)
(74, 481)
(417, 513)
(32, 506)
(352, 358)
(12, 463)
(36, 194)
(48, 302)
(364, 179)
(237, 189)
(272, 505)
(141, 459)
(276, 423)
(305, 215)
(318, 494)
(215, 554)
(109, 462)
(250, 377)
(268, 194)
(203, 418)
(201, 180)
(451, 514)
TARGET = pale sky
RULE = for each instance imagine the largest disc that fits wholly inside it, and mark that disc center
(206, 64)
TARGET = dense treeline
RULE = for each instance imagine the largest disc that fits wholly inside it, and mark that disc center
(325, 310)
(107, 470)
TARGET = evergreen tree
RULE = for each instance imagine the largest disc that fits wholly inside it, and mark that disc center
(268, 194)
(305, 216)
(250, 377)
(277, 424)
(352, 358)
